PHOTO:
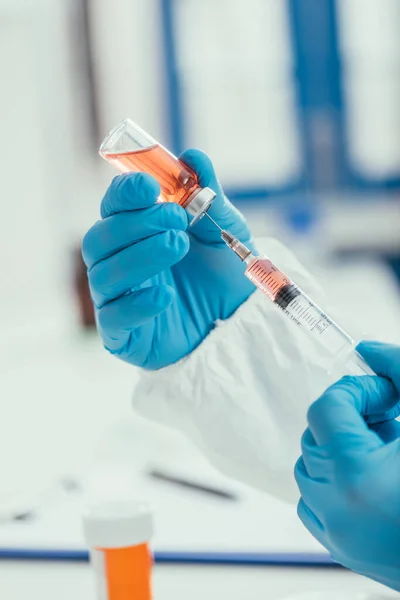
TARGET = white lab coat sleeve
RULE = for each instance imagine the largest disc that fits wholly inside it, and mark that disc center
(243, 394)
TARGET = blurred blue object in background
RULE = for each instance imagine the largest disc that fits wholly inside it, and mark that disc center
(298, 75)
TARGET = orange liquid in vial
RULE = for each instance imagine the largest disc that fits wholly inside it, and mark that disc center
(268, 278)
(176, 180)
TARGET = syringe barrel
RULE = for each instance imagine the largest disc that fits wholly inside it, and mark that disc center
(307, 315)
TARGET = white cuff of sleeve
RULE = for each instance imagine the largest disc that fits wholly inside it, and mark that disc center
(243, 394)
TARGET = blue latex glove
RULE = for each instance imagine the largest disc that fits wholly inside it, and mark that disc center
(158, 286)
(349, 475)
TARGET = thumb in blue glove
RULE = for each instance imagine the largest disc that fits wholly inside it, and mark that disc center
(384, 359)
(349, 476)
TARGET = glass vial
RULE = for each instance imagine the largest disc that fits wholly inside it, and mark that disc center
(130, 149)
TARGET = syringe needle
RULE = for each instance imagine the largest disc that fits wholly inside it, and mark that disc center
(236, 245)
(232, 242)
(212, 220)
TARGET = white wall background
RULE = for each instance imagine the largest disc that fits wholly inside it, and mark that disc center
(238, 98)
(238, 90)
(35, 167)
(370, 45)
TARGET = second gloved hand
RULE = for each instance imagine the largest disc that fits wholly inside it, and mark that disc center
(349, 475)
(158, 286)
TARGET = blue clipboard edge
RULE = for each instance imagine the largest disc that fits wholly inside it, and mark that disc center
(296, 559)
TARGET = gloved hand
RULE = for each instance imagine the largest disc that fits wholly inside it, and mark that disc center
(157, 286)
(349, 475)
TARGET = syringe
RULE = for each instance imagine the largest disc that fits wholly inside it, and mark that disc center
(304, 313)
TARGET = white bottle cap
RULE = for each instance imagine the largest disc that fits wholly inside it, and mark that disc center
(117, 524)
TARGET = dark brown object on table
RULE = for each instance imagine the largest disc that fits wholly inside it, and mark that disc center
(82, 292)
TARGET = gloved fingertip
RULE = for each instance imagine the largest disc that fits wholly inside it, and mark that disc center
(309, 519)
(144, 184)
(383, 358)
(378, 354)
(372, 395)
(307, 440)
(172, 216)
(350, 384)
(366, 347)
(164, 250)
(129, 191)
(148, 302)
(179, 241)
(357, 383)
(133, 188)
(300, 469)
(201, 164)
(160, 296)
(123, 315)
(89, 245)
(388, 431)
